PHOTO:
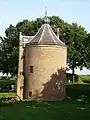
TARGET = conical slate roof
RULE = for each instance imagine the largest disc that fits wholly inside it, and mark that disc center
(45, 36)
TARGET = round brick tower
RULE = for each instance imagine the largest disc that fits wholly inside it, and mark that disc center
(45, 66)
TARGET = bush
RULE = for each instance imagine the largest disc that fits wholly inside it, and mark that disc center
(5, 84)
(70, 77)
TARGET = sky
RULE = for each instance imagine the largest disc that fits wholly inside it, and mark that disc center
(13, 11)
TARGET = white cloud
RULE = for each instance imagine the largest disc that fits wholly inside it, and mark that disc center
(85, 71)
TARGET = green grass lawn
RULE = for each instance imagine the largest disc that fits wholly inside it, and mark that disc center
(85, 77)
(59, 110)
(6, 95)
(76, 106)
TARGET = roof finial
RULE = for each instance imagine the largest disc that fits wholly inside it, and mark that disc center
(46, 19)
(45, 11)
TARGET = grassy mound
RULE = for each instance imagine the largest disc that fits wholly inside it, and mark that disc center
(85, 78)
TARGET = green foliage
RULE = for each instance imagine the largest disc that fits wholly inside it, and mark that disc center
(70, 77)
(9, 51)
(87, 51)
(4, 81)
(76, 48)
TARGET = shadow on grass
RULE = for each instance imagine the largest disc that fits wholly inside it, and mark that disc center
(78, 92)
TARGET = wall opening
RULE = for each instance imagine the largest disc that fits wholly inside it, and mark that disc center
(31, 69)
(30, 94)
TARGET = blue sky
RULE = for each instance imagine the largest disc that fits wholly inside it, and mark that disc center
(13, 11)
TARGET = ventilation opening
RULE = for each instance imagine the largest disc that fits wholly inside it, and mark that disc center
(30, 94)
(21, 87)
(31, 69)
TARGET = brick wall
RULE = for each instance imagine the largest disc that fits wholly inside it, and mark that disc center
(49, 71)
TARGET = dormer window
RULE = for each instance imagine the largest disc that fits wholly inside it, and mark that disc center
(31, 69)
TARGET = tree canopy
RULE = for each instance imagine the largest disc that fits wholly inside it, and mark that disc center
(76, 38)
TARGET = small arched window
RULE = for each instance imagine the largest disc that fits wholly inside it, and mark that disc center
(30, 94)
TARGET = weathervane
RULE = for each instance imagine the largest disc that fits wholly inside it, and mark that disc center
(46, 19)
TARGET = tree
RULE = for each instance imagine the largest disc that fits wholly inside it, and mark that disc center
(9, 51)
(76, 48)
(87, 52)
(73, 34)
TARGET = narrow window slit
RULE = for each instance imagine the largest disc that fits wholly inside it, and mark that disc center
(31, 69)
